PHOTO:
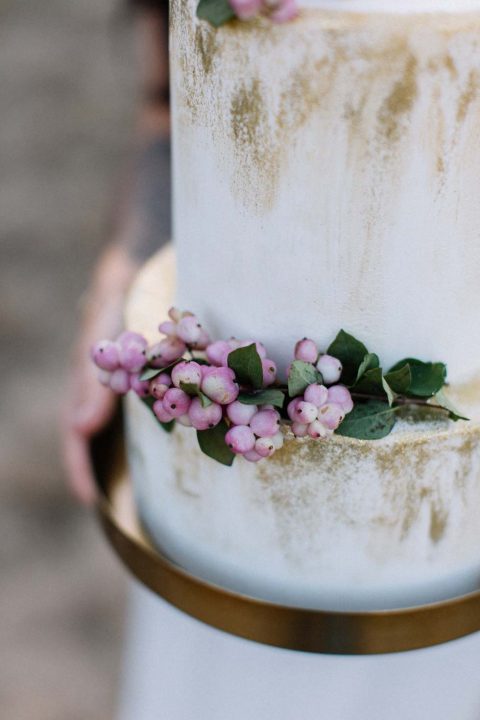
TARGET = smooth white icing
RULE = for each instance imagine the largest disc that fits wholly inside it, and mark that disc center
(326, 176)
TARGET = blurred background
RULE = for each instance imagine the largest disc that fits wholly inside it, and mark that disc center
(66, 109)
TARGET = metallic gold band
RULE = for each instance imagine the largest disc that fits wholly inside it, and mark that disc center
(357, 633)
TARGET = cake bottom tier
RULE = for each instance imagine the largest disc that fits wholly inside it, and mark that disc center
(343, 524)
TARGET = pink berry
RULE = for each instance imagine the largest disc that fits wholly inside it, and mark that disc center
(292, 408)
(105, 354)
(174, 314)
(187, 372)
(317, 430)
(189, 329)
(168, 328)
(330, 368)
(161, 412)
(269, 372)
(316, 394)
(331, 415)
(306, 412)
(141, 387)
(204, 418)
(132, 351)
(104, 377)
(306, 350)
(202, 341)
(340, 395)
(219, 385)
(246, 9)
(278, 440)
(285, 11)
(217, 352)
(265, 447)
(299, 429)
(120, 381)
(265, 423)
(240, 439)
(252, 456)
(240, 414)
(176, 402)
(159, 385)
(165, 352)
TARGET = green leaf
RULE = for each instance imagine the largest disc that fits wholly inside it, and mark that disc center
(301, 375)
(427, 378)
(400, 380)
(369, 362)
(247, 366)
(149, 373)
(371, 383)
(445, 402)
(351, 353)
(388, 392)
(149, 402)
(212, 443)
(264, 397)
(194, 390)
(368, 421)
(216, 12)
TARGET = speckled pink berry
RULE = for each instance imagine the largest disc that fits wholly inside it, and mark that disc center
(269, 369)
(165, 352)
(330, 368)
(240, 439)
(132, 351)
(218, 384)
(265, 447)
(246, 9)
(204, 418)
(202, 342)
(316, 394)
(161, 412)
(284, 11)
(331, 415)
(106, 355)
(189, 329)
(240, 414)
(306, 412)
(104, 377)
(292, 408)
(306, 350)
(299, 429)
(340, 395)
(265, 423)
(186, 372)
(318, 431)
(176, 402)
(174, 314)
(159, 385)
(278, 440)
(168, 328)
(140, 387)
(120, 381)
(217, 352)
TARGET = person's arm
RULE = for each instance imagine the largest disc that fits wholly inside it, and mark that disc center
(143, 223)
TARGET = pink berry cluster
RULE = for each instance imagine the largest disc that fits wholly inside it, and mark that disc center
(120, 363)
(321, 409)
(279, 11)
(203, 391)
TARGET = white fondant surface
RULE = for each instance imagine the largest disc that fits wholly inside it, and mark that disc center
(179, 669)
(326, 175)
(344, 524)
(394, 6)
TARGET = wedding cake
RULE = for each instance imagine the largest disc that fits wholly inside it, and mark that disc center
(325, 176)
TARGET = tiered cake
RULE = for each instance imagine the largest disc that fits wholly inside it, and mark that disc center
(326, 175)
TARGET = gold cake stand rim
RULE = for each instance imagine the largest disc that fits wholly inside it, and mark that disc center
(292, 628)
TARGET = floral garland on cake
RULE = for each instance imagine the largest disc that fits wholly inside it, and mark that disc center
(229, 392)
(219, 12)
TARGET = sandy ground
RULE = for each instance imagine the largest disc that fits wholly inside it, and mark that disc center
(66, 105)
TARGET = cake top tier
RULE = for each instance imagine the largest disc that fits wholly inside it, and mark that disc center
(395, 6)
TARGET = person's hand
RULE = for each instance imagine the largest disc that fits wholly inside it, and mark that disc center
(89, 406)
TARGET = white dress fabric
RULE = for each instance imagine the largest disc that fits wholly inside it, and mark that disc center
(179, 669)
